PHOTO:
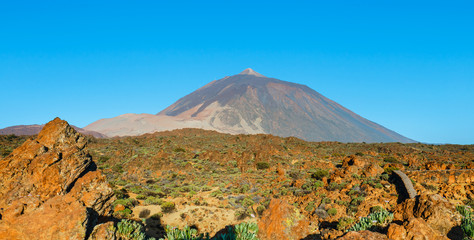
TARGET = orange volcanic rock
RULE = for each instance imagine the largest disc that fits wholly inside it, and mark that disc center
(416, 228)
(50, 189)
(373, 170)
(363, 235)
(282, 221)
(436, 211)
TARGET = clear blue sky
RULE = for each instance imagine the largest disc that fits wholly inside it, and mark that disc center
(407, 65)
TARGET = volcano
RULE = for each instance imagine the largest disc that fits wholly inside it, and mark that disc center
(251, 103)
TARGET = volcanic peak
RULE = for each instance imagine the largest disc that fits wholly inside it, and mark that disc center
(250, 71)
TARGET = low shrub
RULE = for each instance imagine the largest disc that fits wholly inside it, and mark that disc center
(332, 212)
(167, 207)
(262, 165)
(319, 173)
(144, 213)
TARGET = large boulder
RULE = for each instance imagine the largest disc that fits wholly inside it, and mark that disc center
(50, 188)
(439, 214)
(282, 221)
(414, 229)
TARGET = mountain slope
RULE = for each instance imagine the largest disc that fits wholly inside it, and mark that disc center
(252, 103)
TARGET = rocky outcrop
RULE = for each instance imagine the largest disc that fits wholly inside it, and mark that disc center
(407, 184)
(415, 228)
(430, 211)
(50, 188)
(282, 221)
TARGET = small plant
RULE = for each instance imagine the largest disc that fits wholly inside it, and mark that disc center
(178, 150)
(467, 222)
(379, 218)
(153, 201)
(317, 184)
(140, 197)
(167, 207)
(467, 225)
(344, 223)
(246, 231)
(262, 165)
(390, 159)
(319, 173)
(186, 233)
(260, 209)
(389, 170)
(144, 213)
(157, 216)
(130, 230)
(332, 212)
(123, 213)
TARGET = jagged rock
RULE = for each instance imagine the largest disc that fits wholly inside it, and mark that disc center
(396, 232)
(373, 170)
(50, 189)
(282, 221)
(414, 229)
(363, 235)
(103, 231)
(439, 214)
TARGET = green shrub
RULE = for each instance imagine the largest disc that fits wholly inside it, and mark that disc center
(467, 225)
(317, 184)
(123, 213)
(377, 218)
(167, 207)
(260, 209)
(336, 186)
(144, 213)
(262, 165)
(128, 203)
(378, 185)
(310, 207)
(178, 150)
(140, 197)
(130, 230)
(153, 201)
(390, 159)
(216, 193)
(389, 170)
(246, 231)
(186, 233)
(375, 209)
(319, 173)
(332, 212)
(344, 223)
(247, 202)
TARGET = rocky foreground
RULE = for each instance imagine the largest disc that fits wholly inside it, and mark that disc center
(50, 188)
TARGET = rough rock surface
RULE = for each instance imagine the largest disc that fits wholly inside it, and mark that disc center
(50, 189)
(407, 183)
(439, 214)
(282, 221)
(416, 228)
(367, 235)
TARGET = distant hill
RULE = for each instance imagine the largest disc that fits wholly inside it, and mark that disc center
(251, 103)
(27, 130)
